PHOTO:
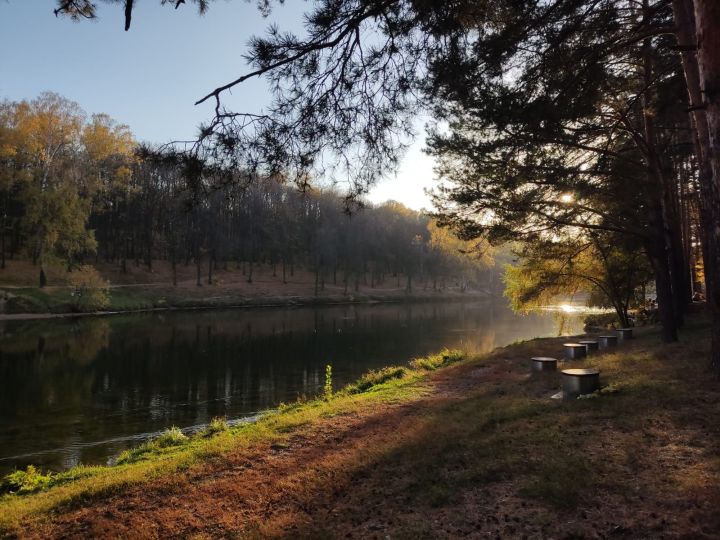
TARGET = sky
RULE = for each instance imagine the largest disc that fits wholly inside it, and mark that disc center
(150, 77)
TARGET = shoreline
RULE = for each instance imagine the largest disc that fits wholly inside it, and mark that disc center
(261, 302)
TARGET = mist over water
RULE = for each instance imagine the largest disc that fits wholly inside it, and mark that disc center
(81, 391)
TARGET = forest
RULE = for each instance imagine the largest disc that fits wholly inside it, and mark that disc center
(77, 189)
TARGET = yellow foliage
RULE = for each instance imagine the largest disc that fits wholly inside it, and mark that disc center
(59, 162)
(90, 289)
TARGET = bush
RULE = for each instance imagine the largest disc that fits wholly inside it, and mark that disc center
(601, 320)
(435, 361)
(27, 481)
(90, 290)
(375, 378)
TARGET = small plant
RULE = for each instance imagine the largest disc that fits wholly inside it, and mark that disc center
(604, 391)
(375, 378)
(435, 361)
(216, 425)
(328, 388)
(170, 437)
(27, 481)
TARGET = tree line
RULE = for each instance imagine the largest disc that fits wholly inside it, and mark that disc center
(76, 189)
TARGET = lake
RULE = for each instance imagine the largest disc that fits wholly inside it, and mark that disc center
(82, 390)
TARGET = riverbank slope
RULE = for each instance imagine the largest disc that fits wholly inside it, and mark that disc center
(142, 290)
(472, 449)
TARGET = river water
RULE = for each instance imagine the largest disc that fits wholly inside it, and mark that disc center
(83, 390)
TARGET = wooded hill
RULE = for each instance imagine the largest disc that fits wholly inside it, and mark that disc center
(78, 190)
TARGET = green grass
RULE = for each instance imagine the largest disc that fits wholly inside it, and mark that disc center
(216, 425)
(376, 378)
(435, 361)
(559, 455)
(34, 300)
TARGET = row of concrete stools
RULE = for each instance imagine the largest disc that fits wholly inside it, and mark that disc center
(576, 382)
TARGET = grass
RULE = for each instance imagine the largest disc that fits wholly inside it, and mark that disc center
(642, 444)
(173, 451)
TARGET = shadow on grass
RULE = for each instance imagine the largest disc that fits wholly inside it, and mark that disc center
(616, 455)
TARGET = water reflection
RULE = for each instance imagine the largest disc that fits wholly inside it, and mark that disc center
(83, 390)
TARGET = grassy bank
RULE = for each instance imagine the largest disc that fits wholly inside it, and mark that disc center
(472, 449)
(58, 301)
(140, 289)
(31, 493)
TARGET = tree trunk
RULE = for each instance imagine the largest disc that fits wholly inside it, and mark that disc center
(707, 23)
(663, 289)
(2, 247)
(662, 248)
(317, 278)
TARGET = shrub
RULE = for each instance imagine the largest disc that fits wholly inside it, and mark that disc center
(601, 320)
(90, 290)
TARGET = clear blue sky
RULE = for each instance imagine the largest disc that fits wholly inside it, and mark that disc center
(150, 77)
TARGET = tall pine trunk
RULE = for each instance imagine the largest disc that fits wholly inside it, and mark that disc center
(661, 247)
(687, 44)
(707, 31)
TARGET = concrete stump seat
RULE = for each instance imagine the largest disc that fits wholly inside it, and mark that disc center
(607, 341)
(577, 382)
(624, 333)
(590, 344)
(543, 363)
(573, 351)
